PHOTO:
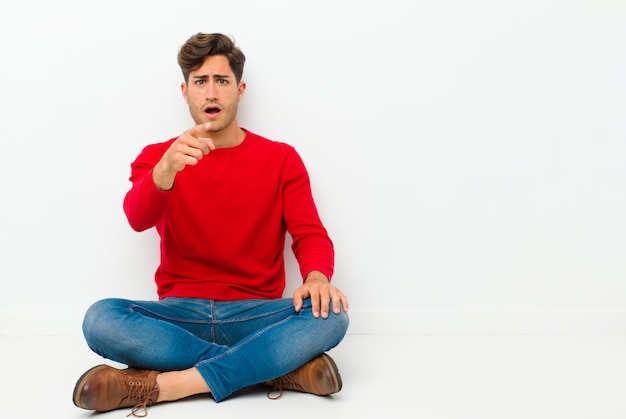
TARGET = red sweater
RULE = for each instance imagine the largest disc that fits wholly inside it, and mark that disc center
(223, 224)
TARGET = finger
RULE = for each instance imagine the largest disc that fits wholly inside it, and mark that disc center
(190, 150)
(315, 303)
(200, 130)
(325, 303)
(339, 300)
(181, 155)
(186, 142)
(297, 301)
(207, 144)
(344, 302)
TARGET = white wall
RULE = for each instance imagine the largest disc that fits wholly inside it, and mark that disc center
(467, 157)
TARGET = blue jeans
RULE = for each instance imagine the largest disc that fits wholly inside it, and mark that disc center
(234, 344)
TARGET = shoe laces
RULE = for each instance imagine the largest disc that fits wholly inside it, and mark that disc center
(286, 381)
(141, 394)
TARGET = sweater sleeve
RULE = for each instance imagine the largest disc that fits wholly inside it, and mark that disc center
(144, 203)
(311, 245)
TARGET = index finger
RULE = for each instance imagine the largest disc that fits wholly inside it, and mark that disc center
(200, 130)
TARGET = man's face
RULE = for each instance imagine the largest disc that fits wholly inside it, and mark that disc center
(213, 94)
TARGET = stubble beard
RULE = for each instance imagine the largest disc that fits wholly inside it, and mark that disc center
(226, 118)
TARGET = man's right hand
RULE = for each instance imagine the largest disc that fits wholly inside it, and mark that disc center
(188, 149)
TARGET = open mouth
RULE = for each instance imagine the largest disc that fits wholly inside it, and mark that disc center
(212, 110)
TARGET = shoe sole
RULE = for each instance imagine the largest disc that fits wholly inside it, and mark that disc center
(335, 372)
(78, 387)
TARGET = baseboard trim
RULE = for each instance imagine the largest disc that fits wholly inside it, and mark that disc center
(389, 323)
(489, 322)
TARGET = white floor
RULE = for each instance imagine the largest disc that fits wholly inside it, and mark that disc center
(431, 377)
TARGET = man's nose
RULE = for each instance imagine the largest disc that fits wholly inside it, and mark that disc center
(211, 91)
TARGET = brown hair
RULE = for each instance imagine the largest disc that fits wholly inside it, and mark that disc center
(192, 54)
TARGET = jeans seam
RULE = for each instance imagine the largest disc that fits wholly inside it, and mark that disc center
(212, 321)
(245, 319)
(134, 307)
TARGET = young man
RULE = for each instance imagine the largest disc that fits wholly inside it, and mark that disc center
(222, 200)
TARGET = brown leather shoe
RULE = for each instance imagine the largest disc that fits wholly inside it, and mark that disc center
(319, 376)
(104, 388)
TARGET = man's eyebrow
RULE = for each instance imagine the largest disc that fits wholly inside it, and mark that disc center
(206, 76)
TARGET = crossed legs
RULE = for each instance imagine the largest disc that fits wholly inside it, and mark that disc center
(203, 346)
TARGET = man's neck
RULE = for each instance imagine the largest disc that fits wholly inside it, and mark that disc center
(229, 137)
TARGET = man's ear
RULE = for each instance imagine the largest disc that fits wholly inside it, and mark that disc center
(183, 89)
(242, 89)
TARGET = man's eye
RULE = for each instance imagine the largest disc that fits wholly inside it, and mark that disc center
(199, 81)
(222, 81)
